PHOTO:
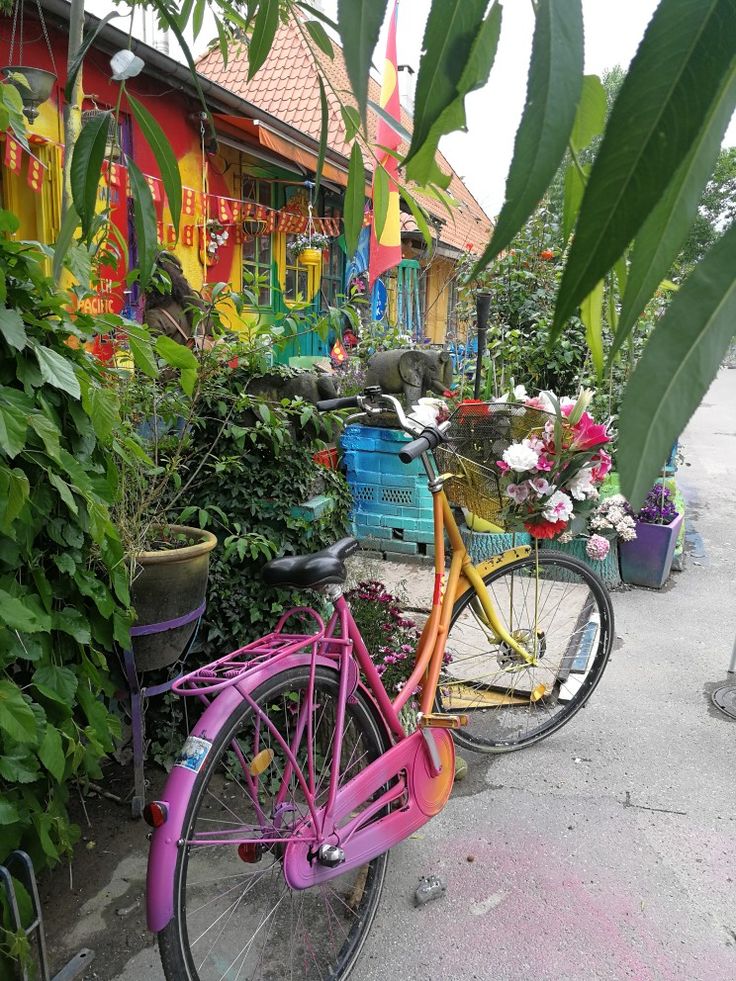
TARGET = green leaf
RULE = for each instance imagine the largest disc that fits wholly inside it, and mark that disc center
(679, 362)
(72, 622)
(459, 51)
(323, 132)
(666, 228)
(56, 370)
(168, 166)
(14, 491)
(591, 115)
(86, 167)
(12, 328)
(573, 195)
(674, 78)
(142, 352)
(591, 313)
(553, 92)
(359, 23)
(63, 244)
(390, 120)
(8, 813)
(51, 754)
(223, 42)
(380, 199)
(103, 407)
(13, 429)
(144, 218)
(65, 563)
(62, 682)
(264, 31)
(319, 36)
(420, 216)
(16, 717)
(64, 491)
(354, 203)
(176, 355)
(188, 380)
(73, 69)
(19, 766)
(351, 122)
(18, 615)
(97, 715)
(48, 432)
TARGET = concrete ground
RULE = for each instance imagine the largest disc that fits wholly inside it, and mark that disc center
(607, 851)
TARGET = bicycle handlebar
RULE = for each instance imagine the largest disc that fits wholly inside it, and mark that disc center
(331, 405)
(428, 440)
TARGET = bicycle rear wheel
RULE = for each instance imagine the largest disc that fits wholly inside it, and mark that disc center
(241, 921)
(510, 703)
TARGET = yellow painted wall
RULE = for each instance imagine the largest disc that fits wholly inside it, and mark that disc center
(440, 273)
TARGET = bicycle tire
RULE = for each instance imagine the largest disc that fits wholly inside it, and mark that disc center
(175, 946)
(497, 723)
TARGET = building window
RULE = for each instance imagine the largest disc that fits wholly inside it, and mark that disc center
(332, 275)
(257, 249)
(296, 277)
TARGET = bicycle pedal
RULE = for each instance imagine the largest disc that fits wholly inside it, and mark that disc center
(438, 720)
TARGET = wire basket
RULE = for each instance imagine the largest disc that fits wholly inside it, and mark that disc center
(478, 435)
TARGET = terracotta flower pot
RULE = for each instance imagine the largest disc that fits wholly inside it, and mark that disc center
(647, 560)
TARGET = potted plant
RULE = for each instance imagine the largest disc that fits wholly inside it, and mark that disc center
(307, 248)
(647, 560)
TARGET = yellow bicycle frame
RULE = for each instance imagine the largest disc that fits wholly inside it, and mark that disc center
(462, 576)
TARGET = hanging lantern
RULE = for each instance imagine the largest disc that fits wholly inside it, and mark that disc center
(34, 85)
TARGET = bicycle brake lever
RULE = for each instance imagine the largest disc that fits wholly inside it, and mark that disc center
(354, 417)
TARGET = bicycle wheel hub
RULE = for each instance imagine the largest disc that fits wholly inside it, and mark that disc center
(507, 655)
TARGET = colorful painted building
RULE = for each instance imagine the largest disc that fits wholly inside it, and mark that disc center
(246, 197)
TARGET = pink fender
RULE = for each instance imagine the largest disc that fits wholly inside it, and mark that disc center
(164, 847)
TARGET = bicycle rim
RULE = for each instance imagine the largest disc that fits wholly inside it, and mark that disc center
(237, 920)
(558, 607)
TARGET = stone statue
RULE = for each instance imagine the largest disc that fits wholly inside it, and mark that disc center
(410, 373)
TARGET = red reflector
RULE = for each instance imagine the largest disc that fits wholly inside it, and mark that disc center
(155, 813)
(249, 851)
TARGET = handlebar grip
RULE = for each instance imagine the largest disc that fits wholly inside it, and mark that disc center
(330, 405)
(429, 438)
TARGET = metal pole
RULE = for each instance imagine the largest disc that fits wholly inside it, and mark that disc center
(482, 309)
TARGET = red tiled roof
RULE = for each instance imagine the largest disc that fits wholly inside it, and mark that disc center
(286, 87)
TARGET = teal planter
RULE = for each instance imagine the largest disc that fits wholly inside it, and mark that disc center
(606, 569)
(647, 561)
(482, 545)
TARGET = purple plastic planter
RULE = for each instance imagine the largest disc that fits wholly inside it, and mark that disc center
(647, 561)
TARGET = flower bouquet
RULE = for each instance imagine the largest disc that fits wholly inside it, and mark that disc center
(302, 242)
(527, 464)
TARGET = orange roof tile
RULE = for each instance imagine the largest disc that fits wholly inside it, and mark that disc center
(286, 87)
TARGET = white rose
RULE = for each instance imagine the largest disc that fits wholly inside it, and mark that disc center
(581, 486)
(520, 393)
(426, 411)
(520, 457)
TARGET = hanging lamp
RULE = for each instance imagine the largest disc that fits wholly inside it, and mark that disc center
(37, 83)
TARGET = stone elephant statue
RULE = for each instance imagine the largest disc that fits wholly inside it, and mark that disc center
(309, 385)
(410, 373)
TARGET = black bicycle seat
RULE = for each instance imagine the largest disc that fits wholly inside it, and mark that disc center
(310, 571)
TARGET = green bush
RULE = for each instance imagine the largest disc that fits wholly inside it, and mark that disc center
(63, 587)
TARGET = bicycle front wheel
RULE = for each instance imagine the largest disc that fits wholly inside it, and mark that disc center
(556, 606)
(235, 917)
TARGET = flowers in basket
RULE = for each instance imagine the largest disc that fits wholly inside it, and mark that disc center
(551, 476)
(300, 242)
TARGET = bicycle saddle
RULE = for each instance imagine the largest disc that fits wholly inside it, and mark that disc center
(318, 569)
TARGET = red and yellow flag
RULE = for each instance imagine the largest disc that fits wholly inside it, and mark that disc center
(385, 252)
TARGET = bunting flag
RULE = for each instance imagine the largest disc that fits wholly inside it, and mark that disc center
(36, 171)
(13, 154)
(188, 201)
(224, 212)
(386, 251)
(187, 235)
(291, 223)
(155, 186)
(338, 352)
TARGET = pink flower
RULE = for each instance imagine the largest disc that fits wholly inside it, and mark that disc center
(588, 433)
(603, 463)
(544, 463)
(518, 492)
(503, 466)
(540, 485)
(597, 547)
(558, 507)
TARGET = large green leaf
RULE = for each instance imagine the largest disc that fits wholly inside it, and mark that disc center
(574, 188)
(359, 23)
(13, 429)
(144, 218)
(141, 350)
(16, 717)
(168, 166)
(380, 199)
(553, 92)
(264, 30)
(591, 313)
(591, 115)
(674, 78)
(57, 370)
(477, 60)
(48, 432)
(14, 492)
(12, 328)
(319, 36)
(177, 355)
(679, 362)
(51, 754)
(666, 228)
(73, 69)
(69, 225)
(86, 167)
(420, 216)
(103, 407)
(61, 682)
(354, 199)
(323, 133)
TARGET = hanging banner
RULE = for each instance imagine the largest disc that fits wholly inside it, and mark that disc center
(13, 154)
(187, 235)
(36, 172)
(188, 201)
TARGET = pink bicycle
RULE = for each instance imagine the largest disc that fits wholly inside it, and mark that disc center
(271, 839)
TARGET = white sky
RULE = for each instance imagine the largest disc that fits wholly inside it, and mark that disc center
(482, 155)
